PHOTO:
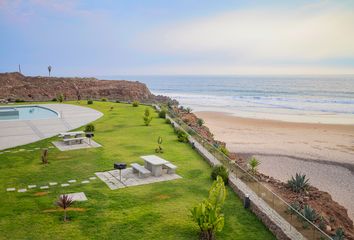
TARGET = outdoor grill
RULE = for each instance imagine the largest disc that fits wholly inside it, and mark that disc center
(120, 166)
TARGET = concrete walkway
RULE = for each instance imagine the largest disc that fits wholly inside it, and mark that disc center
(19, 132)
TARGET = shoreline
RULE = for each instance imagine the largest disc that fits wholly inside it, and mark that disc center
(324, 152)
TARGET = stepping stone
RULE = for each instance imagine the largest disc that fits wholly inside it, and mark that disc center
(11, 189)
(65, 184)
(30, 150)
(53, 183)
(44, 187)
(7, 151)
(21, 150)
(32, 186)
(37, 148)
(1, 152)
(86, 181)
(72, 181)
(80, 196)
(92, 178)
(50, 147)
(22, 190)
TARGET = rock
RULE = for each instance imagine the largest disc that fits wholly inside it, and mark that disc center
(328, 229)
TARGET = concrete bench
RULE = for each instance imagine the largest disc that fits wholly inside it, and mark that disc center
(170, 168)
(70, 141)
(143, 172)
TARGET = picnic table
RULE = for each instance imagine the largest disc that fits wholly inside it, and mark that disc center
(154, 164)
(73, 137)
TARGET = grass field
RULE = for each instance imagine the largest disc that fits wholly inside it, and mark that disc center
(154, 211)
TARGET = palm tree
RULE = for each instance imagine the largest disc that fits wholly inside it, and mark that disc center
(49, 69)
(64, 202)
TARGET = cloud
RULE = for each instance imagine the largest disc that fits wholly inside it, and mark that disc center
(261, 35)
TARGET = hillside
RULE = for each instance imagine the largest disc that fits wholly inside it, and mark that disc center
(17, 86)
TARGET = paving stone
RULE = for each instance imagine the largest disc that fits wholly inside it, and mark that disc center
(37, 148)
(10, 189)
(21, 150)
(72, 181)
(86, 181)
(92, 178)
(44, 187)
(65, 184)
(53, 183)
(22, 190)
(32, 186)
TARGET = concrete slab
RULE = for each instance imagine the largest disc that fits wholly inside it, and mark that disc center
(72, 181)
(19, 132)
(113, 180)
(44, 187)
(53, 183)
(10, 189)
(65, 184)
(32, 186)
(80, 196)
(85, 182)
(22, 190)
(86, 144)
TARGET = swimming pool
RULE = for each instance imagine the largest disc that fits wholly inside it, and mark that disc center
(26, 113)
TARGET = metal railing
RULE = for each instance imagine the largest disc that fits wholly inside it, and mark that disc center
(295, 219)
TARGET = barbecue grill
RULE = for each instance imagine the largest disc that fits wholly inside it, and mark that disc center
(120, 166)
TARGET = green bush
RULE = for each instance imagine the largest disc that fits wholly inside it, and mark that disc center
(339, 235)
(89, 102)
(182, 136)
(220, 170)
(162, 113)
(147, 118)
(168, 121)
(253, 164)
(310, 213)
(104, 99)
(200, 122)
(299, 183)
(136, 104)
(54, 100)
(117, 101)
(90, 128)
(60, 98)
(224, 150)
(19, 100)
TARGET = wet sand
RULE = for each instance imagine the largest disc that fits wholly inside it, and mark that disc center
(324, 152)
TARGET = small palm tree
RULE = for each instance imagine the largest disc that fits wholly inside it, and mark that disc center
(64, 202)
(254, 163)
(49, 69)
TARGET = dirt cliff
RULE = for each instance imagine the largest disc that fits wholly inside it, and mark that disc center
(17, 86)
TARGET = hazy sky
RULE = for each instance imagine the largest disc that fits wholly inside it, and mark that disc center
(112, 37)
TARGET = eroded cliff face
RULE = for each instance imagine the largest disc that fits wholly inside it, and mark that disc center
(17, 86)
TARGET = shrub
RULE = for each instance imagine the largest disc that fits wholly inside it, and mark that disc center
(90, 128)
(104, 99)
(182, 136)
(147, 118)
(159, 148)
(294, 206)
(117, 101)
(162, 113)
(189, 110)
(208, 214)
(89, 101)
(253, 164)
(19, 100)
(54, 99)
(135, 104)
(339, 235)
(298, 183)
(310, 213)
(64, 202)
(168, 121)
(60, 98)
(224, 150)
(200, 122)
(220, 170)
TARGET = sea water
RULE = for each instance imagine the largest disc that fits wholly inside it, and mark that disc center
(324, 99)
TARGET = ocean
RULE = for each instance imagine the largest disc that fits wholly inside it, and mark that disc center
(323, 99)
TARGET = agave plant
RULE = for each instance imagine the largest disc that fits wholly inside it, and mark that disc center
(64, 202)
(299, 183)
(339, 235)
(310, 213)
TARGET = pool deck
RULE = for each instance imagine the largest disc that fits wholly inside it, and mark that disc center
(19, 132)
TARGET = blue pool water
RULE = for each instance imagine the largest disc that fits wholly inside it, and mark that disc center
(26, 113)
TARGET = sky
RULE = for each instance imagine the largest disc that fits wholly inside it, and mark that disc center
(117, 37)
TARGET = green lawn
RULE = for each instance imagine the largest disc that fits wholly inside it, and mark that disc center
(154, 211)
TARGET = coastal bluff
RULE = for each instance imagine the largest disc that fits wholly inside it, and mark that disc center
(17, 86)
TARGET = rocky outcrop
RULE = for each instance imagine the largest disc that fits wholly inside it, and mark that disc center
(17, 86)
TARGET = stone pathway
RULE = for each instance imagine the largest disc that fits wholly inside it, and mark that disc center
(50, 184)
(112, 178)
(25, 150)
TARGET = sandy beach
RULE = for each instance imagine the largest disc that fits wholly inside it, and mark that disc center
(324, 152)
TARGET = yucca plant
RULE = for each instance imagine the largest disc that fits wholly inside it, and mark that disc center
(310, 213)
(253, 164)
(64, 202)
(299, 183)
(207, 214)
(294, 206)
